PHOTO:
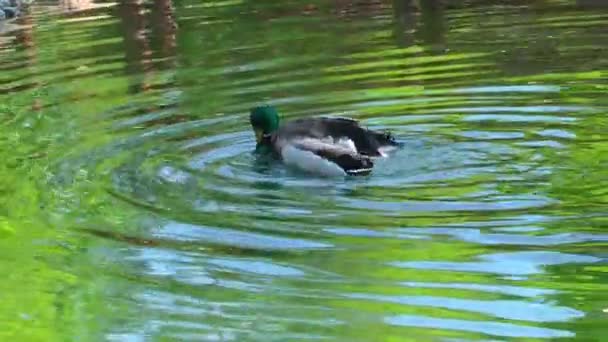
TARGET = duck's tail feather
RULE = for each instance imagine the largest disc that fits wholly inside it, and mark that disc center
(386, 138)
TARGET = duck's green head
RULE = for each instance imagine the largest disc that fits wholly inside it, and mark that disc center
(264, 120)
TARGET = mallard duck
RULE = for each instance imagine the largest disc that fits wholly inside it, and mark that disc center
(331, 146)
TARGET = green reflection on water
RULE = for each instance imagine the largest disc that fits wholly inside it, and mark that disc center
(130, 205)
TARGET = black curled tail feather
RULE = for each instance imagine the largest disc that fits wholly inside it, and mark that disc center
(370, 142)
(386, 138)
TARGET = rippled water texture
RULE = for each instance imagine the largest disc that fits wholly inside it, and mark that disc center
(132, 209)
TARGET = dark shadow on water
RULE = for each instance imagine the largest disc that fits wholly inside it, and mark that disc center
(405, 22)
(433, 29)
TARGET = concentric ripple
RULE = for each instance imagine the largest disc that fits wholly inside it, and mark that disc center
(128, 145)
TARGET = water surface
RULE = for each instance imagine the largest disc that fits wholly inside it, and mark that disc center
(132, 209)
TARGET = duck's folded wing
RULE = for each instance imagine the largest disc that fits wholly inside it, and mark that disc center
(367, 141)
(328, 155)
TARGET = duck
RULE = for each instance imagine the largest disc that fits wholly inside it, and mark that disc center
(329, 146)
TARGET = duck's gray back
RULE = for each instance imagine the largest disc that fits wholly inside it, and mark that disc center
(319, 128)
(366, 141)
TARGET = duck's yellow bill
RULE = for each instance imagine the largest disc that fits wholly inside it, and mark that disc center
(258, 135)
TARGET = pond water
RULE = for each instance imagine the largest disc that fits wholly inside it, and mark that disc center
(132, 209)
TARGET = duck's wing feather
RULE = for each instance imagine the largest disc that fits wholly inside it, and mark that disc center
(366, 141)
(338, 154)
